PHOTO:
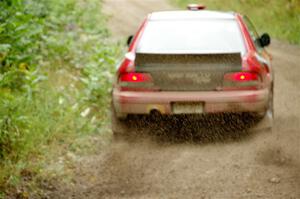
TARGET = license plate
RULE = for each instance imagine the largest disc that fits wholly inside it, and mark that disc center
(187, 108)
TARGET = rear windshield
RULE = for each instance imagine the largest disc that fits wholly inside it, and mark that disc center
(193, 36)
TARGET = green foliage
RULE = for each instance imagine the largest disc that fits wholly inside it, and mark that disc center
(56, 66)
(21, 28)
(281, 18)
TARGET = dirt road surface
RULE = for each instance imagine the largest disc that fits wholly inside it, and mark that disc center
(259, 164)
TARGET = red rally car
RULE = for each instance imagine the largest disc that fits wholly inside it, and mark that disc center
(194, 61)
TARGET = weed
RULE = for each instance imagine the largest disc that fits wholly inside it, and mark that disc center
(56, 66)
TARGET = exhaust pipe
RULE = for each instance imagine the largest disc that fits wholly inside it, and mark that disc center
(155, 114)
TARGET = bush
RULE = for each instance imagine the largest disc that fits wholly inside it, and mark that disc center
(56, 66)
(20, 31)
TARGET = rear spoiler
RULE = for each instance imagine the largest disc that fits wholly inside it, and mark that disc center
(146, 58)
(231, 61)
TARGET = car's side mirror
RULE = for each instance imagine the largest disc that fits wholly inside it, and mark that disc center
(265, 40)
(129, 40)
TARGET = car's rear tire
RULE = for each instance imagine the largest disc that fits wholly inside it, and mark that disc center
(119, 126)
(271, 102)
(270, 109)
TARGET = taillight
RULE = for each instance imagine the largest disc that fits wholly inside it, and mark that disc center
(135, 77)
(136, 81)
(241, 76)
(241, 80)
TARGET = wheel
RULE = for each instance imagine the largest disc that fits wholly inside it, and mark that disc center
(270, 110)
(119, 126)
(264, 120)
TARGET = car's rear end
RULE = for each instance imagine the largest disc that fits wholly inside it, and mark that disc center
(190, 64)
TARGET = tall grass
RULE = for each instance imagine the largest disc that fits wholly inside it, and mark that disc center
(280, 18)
(56, 66)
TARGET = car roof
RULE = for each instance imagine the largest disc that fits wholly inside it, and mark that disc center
(190, 15)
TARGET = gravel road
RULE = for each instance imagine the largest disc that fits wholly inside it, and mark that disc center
(259, 164)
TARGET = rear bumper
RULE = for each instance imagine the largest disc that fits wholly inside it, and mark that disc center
(132, 102)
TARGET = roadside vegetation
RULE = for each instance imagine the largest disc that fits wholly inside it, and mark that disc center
(56, 67)
(280, 18)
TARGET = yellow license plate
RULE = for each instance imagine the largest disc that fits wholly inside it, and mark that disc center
(187, 107)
